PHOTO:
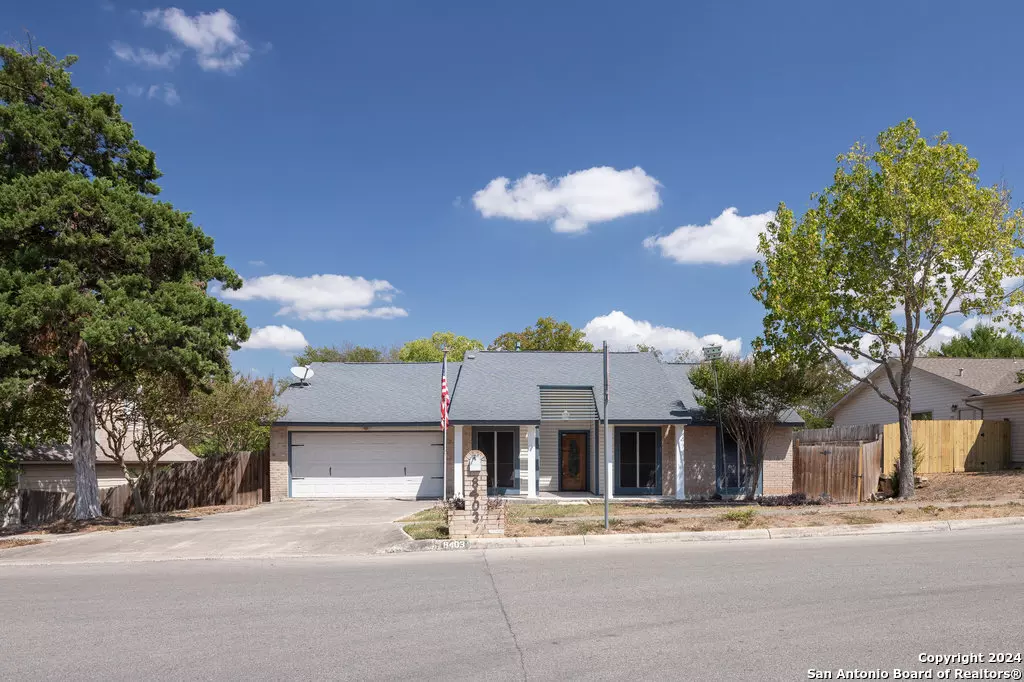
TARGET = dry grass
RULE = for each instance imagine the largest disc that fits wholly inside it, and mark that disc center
(18, 542)
(741, 519)
(133, 521)
(435, 514)
(426, 531)
(972, 487)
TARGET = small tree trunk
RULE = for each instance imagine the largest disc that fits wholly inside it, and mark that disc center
(83, 433)
(140, 506)
(906, 480)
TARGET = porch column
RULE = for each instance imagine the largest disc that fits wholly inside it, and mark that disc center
(531, 461)
(458, 461)
(680, 462)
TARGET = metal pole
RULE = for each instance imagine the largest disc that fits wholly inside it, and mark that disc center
(604, 442)
(444, 447)
(721, 431)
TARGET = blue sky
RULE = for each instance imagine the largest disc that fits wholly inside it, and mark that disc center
(355, 140)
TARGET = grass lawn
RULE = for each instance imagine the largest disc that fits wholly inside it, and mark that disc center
(527, 520)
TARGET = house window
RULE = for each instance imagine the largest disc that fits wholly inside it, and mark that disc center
(499, 446)
(730, 465)
(638, 461)
(923, 416)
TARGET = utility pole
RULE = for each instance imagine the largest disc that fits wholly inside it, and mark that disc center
(604, 441)
(711, 354)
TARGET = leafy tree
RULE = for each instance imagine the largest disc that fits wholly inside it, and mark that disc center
(984, 341)
(97, 279)
(150, 415)
(905, 236)
(30, 413)
(547, 334)
(347, 353)
(832, 383)
(644, 348)
(750, 395)
(429, 349)
(234, 416)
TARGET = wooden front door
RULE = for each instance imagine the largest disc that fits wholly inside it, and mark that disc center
(573, 461)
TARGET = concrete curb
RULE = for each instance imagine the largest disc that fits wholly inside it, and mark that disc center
(704, 536)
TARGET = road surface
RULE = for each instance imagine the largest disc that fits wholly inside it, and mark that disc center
(733, 611)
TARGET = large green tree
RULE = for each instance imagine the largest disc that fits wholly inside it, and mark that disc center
(97, 278)
(547, 334)
(430, 349)
(906, 236)
(984, 341)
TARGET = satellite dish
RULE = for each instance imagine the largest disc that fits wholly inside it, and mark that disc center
(302, 373)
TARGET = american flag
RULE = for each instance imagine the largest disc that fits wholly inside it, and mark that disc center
(445, 400)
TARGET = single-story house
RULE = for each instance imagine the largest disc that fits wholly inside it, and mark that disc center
(946, 388)
(50, 467)
(372, 430)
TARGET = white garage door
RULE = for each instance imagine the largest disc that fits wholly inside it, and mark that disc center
(367, 464)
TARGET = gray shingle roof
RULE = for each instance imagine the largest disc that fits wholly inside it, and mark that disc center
(984, 375)
(679, 376)
(505, 386)
(61, 452)
(368, 393)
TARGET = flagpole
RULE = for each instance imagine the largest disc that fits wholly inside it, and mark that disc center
(444, 431)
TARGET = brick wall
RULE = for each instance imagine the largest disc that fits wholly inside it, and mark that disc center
(278, 463)
(699, 461)
(668, 460)
(778, 463)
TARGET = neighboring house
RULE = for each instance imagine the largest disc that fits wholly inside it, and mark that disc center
(372, 430)
(946, 388)
(49, 467)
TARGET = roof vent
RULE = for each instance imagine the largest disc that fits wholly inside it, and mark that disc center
(961, 372)
(469, 356)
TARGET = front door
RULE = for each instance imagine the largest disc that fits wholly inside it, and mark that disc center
(573, 461)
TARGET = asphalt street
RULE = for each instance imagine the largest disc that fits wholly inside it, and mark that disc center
(733, 611)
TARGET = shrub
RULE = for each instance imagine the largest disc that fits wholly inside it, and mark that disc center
(743, 517)
(791, 500)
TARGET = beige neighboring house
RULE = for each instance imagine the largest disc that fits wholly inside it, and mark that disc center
(946, 388)
(49, 467)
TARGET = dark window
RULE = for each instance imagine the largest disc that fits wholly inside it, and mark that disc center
(500, 449)
(729, 472)
(639, 465)
(924, 416)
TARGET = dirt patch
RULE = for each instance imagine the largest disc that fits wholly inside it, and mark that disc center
(972, 487)
(745, 519)
(134, 521)
(18, 542)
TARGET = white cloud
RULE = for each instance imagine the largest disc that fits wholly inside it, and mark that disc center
(134, 90)
(143, 56)
(257, 263)
(214, 36)
(167, 93)
(275, 337)
(571, 202)
(322, 297)
(729, 238)
(624, 333)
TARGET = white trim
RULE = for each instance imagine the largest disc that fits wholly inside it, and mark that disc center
(457, 491)
(609, 456)
(531, 461)
(680, 462)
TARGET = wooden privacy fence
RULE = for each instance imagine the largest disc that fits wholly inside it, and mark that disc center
(237, 479)
(842, 471)
(952, 445)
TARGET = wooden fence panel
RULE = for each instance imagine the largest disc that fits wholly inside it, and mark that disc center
(843, 473)
(840, 434)
(871, 456)
(237, 479)
(952, 445)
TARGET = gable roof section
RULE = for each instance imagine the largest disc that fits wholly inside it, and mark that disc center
(361, 393)
(981, 375)
(497, 386)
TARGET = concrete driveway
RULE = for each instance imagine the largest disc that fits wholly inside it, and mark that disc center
(294, 528)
